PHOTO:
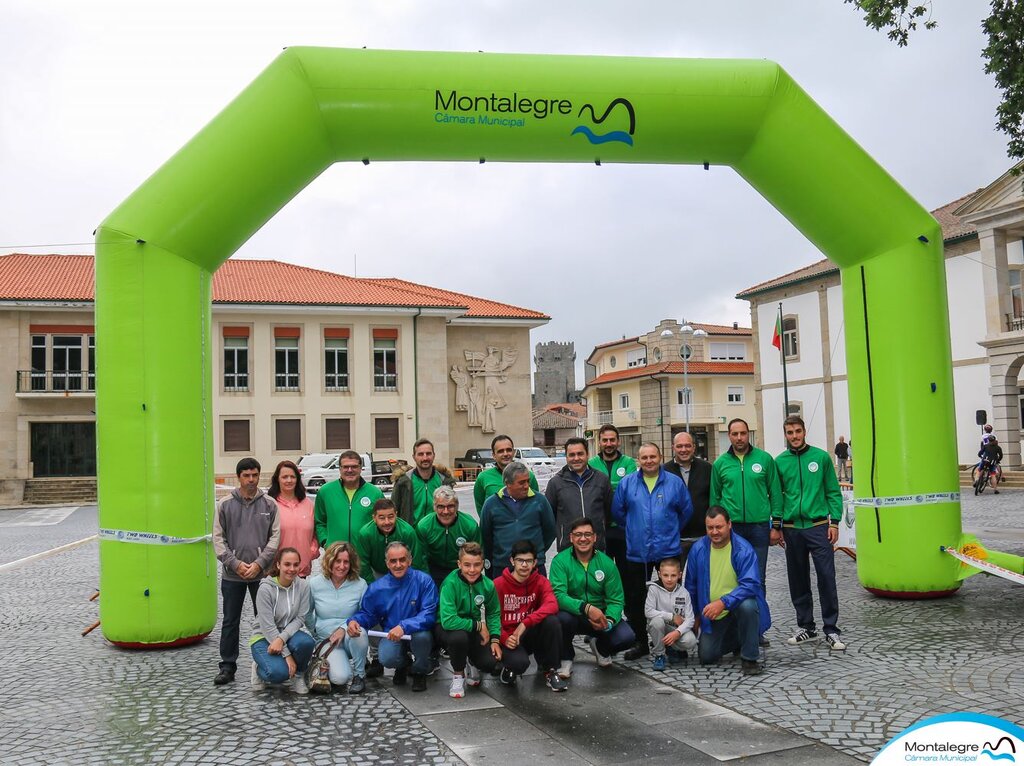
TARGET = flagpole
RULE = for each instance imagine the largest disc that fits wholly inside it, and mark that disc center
(785, 381)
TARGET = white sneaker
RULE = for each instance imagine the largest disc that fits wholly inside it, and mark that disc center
(299, 684)
(255, 682)
(472, 675)
(834, 642)
(602, 660)
(565, 669)
(458, 688)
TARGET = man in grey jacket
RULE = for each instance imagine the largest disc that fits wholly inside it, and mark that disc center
(246, 533)
(578, 492)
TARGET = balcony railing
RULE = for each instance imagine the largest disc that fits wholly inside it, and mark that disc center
(55, 382)
(626, 417)
(1014, 323)
(700, 412)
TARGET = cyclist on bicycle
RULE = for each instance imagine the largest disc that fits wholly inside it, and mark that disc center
(991, 454)
(986, 437)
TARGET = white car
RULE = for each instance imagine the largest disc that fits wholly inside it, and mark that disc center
(537, 460)
(376, 472)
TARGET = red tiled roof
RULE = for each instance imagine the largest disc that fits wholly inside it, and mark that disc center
(676, 368)
(634, 339)
(720, 329)
(952, 228)
(547, 418)
(70, 277)
(576, 409)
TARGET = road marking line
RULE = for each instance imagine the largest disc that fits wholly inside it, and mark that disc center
(44, 554)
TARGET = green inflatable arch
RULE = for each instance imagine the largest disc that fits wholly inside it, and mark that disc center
(313, 107)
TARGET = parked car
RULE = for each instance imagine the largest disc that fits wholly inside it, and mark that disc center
(537, 460)
(375, 471)
(476, 458)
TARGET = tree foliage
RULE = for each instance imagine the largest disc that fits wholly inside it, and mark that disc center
(1004, 54)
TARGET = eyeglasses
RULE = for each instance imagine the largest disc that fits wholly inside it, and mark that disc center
(445, 506)
(351, 467)
(583, 535)
(525, 562)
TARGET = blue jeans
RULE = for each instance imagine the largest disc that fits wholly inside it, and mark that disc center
(273, 668)
(349, 648)
(759, 536)
(395, 654)
(608, 641)
(737, 630)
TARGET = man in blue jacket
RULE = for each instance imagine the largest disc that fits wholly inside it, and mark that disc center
(515, 513)
(652, 505)
(404, 603)
(722, 577)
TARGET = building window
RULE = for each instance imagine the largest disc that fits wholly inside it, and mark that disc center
(287, 435)
(623, 401)
(286, 359)
(795, 408)
(636, 358)
(681, 395)
(385, 433)
(385, 360)
(612, 361)
(236, 364)
(790, 338)
(734, 394)
(1016, 298)
(92, 363)
(336, 364)
(67, 362)
(38, 363)
(337, 434)
(685, 351)
(236, 436)
(728, 352)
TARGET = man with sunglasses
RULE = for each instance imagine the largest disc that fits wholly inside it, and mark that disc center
(344, 506)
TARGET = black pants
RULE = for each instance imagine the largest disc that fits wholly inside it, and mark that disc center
(543, 641)
(233, 593)
(802, 547)
(634, 590)
(618, 638)
(463, 644)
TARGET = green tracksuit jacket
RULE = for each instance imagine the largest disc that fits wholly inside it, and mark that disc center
(370, 544)
(622, 466)
(749, 489)
(599, 583)
(336, 518)
(810, 490)
(441, 544)
(460, 603)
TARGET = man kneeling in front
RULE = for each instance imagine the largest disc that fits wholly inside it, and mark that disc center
(723, 580)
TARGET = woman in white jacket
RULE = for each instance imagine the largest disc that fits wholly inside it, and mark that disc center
(280, 648)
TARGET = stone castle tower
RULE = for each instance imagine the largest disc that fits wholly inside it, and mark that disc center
(554, 381)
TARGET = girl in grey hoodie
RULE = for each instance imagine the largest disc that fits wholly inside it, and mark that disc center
(280, 648)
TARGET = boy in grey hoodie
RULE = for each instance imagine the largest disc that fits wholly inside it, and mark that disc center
(246, 534)
(669, 615)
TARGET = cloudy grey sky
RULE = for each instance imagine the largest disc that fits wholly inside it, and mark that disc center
(95, 96)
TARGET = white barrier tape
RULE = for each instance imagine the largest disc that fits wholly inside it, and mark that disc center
(986, 566)
(382, 634)
(932, 498)
(148, 538)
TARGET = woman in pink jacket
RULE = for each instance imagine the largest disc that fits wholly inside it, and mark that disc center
(296, 513)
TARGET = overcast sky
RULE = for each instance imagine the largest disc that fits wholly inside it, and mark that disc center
(94, 96)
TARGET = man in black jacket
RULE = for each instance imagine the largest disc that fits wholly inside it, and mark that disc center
(578, 491)
(696, 475)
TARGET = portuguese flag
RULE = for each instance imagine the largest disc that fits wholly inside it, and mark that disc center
(777, 335)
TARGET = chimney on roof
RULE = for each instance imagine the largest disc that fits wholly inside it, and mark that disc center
(735, 325)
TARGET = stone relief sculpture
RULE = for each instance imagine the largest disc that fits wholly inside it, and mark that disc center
(477, 390)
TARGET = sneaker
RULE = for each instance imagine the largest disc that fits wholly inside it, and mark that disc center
(374, 669)
(602, 660)
(419, 682)
(508, 678)
(763, 641)
(565, 669)
(458, 687)
(802, 636)
(257, 683)
(555, 682)
(435, 664)
(299, 684)
(472, 675)
(635, 653)
(358, 685)
(224, 677)
(752, 668)
(995, 491)
(834, 642)
(400, 676)
(658, 663)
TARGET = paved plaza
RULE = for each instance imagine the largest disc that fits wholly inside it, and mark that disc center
(78, 700)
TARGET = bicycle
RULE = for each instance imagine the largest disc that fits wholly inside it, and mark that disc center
(983, 473)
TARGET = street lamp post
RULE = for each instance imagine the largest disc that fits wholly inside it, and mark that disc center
(688, 333)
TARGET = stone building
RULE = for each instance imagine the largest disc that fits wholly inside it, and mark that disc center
(554, 379)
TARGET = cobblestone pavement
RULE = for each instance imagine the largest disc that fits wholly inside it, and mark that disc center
(905, 660)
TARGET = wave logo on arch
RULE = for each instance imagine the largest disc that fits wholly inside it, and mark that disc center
(955, 738)
(621, 112)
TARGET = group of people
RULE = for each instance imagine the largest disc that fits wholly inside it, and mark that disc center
(652, 559)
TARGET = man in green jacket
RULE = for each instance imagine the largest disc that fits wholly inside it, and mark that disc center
(808, 528)
(613, 464)
(490, 480)
(414, 487)
(383, 529)
(588, 588)
(344, 506)
(745, 482)
(444, 532)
